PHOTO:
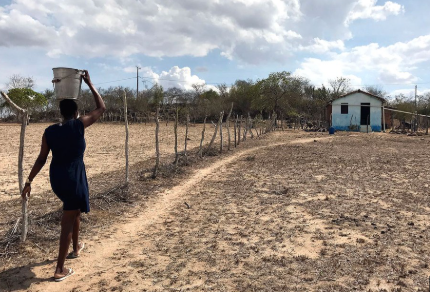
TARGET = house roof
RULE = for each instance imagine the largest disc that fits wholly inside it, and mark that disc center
(361, 91)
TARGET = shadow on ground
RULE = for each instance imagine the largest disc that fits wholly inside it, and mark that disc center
(21, 278)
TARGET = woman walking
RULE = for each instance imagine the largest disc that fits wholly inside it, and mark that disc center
(67, 172)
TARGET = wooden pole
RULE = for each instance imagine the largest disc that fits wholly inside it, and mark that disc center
(221, 115)
(228, 127)
(367, 124)
(220, 135)
(126, 138)
(176, 136)
(186, 139)
(238, 132)
(203, 137)
(250, 126)
(383, 118)
(427, 125)
(157, 144)
(235, 135)
(20, 164)
(20, 176)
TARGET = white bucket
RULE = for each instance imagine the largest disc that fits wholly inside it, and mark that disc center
(67, 83)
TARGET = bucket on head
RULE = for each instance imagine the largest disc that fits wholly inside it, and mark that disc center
(67, 83)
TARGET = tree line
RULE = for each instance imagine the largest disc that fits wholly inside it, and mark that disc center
(288, 96)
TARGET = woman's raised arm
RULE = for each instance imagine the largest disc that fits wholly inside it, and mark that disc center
(94, 115)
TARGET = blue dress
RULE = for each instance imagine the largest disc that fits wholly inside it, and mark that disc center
(67, 171)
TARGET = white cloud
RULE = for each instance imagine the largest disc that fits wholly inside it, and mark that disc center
(175, 77)
(322, 46)
(392, 64)
(320, 72)
(249, 31)
(368, 9)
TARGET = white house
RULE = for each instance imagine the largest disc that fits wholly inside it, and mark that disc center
(356, 111)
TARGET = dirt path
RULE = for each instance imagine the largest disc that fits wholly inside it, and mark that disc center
(114, 250)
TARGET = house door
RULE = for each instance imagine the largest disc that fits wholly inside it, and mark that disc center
(365, 114)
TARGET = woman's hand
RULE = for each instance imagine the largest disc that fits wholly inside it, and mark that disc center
(26, 192)
(86, 77)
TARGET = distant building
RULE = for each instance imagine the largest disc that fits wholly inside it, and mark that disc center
(355, 111)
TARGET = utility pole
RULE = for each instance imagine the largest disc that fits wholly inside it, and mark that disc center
(137, 81)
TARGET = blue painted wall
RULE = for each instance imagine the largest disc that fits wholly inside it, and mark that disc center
(343, 122)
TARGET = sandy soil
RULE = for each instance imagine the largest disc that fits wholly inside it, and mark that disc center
(290, 212)
(104, 153)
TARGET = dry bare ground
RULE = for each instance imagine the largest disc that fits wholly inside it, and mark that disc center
(104, 153)
(290, 212)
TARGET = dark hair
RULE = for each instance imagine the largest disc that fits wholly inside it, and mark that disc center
(68, 108)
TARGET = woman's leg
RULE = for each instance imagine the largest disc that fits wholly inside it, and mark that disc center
(75, 236)
(67, 223)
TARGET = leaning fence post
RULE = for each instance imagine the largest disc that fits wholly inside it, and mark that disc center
(20, 164)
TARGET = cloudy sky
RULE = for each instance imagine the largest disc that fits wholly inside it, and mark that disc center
(181, 42)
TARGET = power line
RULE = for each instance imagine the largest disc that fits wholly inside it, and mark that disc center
(217, 83)
(115, 80)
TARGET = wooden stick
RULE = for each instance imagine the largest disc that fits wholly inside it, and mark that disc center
(126, 138)
(235, 129)
(427, 126)
(220, 134)
(228, 126)
(238, 136)
(186, 138)
(20, 176)
(221, 115)
(176, 136)
(203, 137)
(157, 144)
(250, 126)
(20, 164)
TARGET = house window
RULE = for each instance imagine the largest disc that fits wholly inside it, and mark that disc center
(344, 108)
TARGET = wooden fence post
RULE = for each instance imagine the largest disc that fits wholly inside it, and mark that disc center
(203, 137)
(238, 132)
(157, 144)
(250, 126)
(221, 115)
(220, 135)
(235, 135)
(427, 125)
(20, 164)
(383, 118)
(228, 126)
(176, 136)
(126, 138)
(186, 139)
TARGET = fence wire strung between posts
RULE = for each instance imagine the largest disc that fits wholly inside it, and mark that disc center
(402, 122)
(231, 128)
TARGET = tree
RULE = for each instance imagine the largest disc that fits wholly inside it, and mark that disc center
(272, 90)
(375, 90)
(243, 93)
(27, 98)
(18, 81)
(340, 86)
